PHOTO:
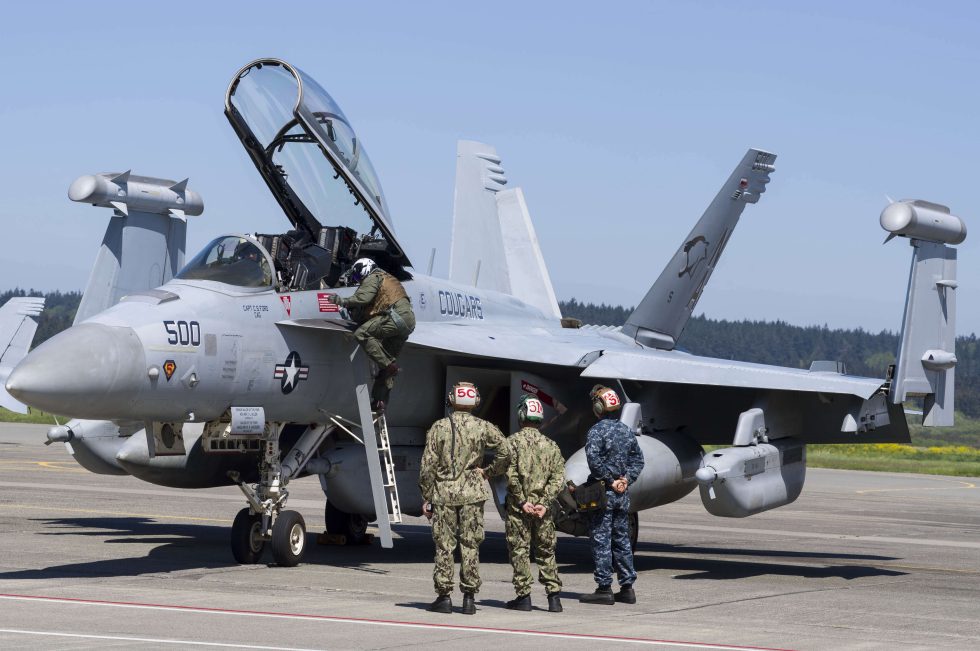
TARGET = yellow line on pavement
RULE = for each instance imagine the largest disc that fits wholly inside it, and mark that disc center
(120, 513)
(70, 466)
(962, 484)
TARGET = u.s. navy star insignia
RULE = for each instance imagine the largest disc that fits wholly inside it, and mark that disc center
(291, 372)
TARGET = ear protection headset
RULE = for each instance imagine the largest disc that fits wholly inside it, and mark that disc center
(464, 396)
(604, 400)
(530, 409)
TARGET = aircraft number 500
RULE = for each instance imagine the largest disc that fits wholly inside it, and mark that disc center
(183, 332)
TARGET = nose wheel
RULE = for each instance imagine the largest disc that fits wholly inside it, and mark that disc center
(265, 520)
(247, 541)
(288, 539)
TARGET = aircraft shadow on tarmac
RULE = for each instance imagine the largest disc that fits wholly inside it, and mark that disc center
(179, 547)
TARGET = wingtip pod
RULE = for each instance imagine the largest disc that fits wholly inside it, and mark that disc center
(922, 220)
(126, 192)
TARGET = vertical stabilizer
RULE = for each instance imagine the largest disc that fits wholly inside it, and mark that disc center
(143, 245)
(17, 327)
(926, 360)
(661, 316)
(529, 278)
(476, 254)
(494, 244)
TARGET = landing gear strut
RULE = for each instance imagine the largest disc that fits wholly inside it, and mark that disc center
(265, 519)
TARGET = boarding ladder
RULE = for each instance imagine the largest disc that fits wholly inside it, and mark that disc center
(377, 447)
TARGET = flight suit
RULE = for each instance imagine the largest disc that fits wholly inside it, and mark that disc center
(387, 319)
(612, 452)
(450, 481)
(536, 475)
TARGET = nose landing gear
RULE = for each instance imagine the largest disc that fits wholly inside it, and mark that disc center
(265, 520)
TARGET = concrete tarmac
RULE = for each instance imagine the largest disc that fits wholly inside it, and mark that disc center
(861, 561)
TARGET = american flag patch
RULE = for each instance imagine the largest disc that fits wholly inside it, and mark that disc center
(323, 301)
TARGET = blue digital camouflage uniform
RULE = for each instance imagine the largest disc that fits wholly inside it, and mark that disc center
(612, 452)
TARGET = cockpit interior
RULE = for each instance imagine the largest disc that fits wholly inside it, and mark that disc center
(318, 171)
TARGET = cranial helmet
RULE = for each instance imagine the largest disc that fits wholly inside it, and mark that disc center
(530, 409)
(362, 267)
(464, 396)
(604, 400)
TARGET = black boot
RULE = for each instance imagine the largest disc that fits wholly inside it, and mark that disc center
(554, 603)
(602, 595)
(469, 605)
(521, 603)
(626, 595)
(442, 604)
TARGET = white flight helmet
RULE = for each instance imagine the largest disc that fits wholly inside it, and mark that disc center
(362, 267)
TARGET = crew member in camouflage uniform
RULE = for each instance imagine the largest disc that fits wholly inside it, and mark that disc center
(535, 476)
(614, 457)
(454, 488)
(383, 309)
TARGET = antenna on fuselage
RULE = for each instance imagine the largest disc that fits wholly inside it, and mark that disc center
(432, 261)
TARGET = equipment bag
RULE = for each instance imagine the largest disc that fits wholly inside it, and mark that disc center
(590, 497)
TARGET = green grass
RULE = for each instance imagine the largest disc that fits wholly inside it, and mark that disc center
(966, 431)
(33, 416)
(957, 460)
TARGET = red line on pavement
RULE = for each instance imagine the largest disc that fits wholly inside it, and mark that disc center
(390, 622)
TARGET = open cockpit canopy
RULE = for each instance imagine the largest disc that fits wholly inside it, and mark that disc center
(307, 152)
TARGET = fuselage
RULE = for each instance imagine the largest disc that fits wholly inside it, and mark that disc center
(191, 349)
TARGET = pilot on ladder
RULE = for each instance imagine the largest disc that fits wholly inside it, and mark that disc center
(386, 319)
(454, 487)
(534, 478)
(615, 458)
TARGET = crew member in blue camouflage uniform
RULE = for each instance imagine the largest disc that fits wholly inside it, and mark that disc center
(614, 457)
(453, 485)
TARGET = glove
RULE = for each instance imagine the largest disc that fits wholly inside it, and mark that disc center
(333, 298)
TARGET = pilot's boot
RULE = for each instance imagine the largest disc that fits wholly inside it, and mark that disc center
(626, 595)
(554, 603)
(521, 603)
(389, 371)
(469, 605)
(602, 595)
(442, 604)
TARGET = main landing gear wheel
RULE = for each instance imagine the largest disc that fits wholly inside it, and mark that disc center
(634, 530)
(246, 538)
(288, 539)
(351, 525)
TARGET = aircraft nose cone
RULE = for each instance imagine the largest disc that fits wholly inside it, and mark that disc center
(88, 371)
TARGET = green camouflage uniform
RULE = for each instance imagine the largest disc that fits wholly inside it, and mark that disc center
(450, 481)
(381, 336)
(536, 475)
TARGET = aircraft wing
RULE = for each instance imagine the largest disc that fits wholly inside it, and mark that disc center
(604, 357)
(529, 344)
(682, 368)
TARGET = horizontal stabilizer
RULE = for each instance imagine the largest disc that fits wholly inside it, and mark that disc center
(662, 314)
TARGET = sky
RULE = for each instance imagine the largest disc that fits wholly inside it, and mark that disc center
(620, 121)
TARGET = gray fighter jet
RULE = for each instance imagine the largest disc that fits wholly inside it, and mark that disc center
(239, 369)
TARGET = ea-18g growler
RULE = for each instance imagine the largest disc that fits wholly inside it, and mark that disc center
(237, 368)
